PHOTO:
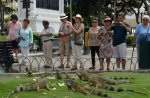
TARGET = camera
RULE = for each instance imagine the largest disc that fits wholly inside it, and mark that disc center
(116, 23)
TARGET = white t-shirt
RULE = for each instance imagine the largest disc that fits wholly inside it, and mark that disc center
(48, 30)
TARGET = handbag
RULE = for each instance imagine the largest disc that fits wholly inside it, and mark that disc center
(18, 39)
(78, 42)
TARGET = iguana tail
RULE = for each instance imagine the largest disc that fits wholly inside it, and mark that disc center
(119, 78)
(109, 87)
(18, 89)
(97, 92)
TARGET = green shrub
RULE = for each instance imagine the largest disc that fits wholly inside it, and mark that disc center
(3, 37)
(37, 40)
(56, 35)
(129, 40)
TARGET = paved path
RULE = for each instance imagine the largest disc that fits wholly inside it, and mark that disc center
(37, 61)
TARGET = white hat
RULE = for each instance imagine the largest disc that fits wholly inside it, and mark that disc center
(63, 16)
(78, 16)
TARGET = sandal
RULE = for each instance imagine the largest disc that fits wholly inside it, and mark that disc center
(74, 68)
(61, 66)
(67, 66)
(108, 69)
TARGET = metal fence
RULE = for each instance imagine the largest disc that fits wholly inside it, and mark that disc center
(37, 63)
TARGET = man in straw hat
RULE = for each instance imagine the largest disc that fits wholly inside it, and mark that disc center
(119, 39)
(64, 32)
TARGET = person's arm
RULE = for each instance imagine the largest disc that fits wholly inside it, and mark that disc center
(7, 24)
(69, 29)
(49, 32)
(81, 28)
(127, 27)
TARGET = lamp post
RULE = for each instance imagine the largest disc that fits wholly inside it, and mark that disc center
(142, 10)
(2, 16)
(71, 11)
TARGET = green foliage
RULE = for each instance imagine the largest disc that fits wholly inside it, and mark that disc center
(129, 40)
(56, 35)
(88, 8)
(3, 37)
(140, 83)
(37, 40)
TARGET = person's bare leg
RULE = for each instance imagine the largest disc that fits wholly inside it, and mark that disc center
(61, 58)
(108, 63)
(118, 62)
(123, 64)
(16, 53)
(101, 63)
(68, 60)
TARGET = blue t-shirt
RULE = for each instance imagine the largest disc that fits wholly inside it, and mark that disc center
(119, 34)
(143, 34)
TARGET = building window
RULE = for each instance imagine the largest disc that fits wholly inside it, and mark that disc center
(48, 4)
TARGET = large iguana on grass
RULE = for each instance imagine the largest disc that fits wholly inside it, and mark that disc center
(76, 87)
(85, 76)
(37, 85)
(102, 82)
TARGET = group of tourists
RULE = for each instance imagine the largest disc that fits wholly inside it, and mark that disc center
(106, 41)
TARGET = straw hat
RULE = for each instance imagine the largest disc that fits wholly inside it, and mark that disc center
(78, 16)
(63, 16)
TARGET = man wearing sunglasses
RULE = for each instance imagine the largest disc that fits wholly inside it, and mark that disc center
(12, 27)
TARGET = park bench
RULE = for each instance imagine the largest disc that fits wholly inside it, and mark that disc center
(6, 55)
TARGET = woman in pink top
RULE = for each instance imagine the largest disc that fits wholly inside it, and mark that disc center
(13, 26)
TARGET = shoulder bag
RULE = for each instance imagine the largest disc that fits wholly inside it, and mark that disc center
(18, 39)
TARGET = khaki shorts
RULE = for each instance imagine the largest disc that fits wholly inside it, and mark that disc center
(120, 51)
(64, 47)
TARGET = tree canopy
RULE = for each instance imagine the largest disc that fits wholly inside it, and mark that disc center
(90, 8)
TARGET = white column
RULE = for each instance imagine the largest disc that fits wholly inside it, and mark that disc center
(61, 6)
(33, 5)
(20, 4)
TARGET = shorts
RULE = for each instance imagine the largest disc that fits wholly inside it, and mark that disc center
(120, 51)
(64, 47)
(14, 44)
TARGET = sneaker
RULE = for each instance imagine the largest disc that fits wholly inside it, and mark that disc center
(92, 67)
(61, 66)
(46, 66)
(15, 61)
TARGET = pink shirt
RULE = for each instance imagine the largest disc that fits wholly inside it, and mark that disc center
(13, 28)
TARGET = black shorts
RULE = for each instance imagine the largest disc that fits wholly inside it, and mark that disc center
(14, 44)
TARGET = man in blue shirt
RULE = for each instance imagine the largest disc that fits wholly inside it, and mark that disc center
(119, 39)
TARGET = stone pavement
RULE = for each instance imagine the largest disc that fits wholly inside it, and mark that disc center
(36, 61)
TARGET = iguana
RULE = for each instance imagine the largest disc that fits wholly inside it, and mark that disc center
(102, 82)
(37, 85)
(76, 87)
(85, 76)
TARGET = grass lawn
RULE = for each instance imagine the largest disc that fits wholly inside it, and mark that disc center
(140, 83)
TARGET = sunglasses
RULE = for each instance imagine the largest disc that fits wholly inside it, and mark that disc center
(94, 22)
(145, 20)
